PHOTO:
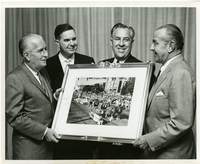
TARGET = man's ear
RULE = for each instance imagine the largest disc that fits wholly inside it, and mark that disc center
(171, 46)
(111, 41)
(132, 41)
(26, 56)
(57, 42)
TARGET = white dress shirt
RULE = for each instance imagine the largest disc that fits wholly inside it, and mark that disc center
(35, 74)
(166, 64)
(64, 61)
(119, 61)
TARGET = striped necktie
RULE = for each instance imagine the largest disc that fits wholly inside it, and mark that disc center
(43, 83)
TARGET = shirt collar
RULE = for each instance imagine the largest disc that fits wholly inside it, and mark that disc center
(167, 63)
(63, 59)
(32, 71)
(120, 61)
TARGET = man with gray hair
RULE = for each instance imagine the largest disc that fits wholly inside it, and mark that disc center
(29, 102)
(170, 112)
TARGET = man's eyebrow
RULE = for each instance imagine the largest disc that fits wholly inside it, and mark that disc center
(153, 40)
(70, 38)
(43, 48)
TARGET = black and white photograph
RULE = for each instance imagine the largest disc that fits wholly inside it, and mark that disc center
(102, 101)
(99, 82)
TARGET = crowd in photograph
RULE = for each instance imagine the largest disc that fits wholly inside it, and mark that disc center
(105, 106)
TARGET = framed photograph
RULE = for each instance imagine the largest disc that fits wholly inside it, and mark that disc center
(103, 102)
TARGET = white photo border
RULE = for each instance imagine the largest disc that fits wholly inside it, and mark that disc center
(126, 134)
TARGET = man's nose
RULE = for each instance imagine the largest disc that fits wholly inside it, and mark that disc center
(72, 42)
(152, 47)
(45, 53)
(121, 42)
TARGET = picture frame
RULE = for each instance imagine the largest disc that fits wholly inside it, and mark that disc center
(103, 102)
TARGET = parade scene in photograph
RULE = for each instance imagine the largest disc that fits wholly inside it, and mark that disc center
(102, 101)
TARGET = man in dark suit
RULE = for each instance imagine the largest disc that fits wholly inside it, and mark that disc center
(29, 102)
(122, 38)
(121, 41)
(65, 38)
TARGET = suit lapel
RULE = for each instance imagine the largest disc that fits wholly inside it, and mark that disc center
(130, 59)
(44, 74)
(77, 60)
(59, 67)
(33, 79)
(162, 77)
(111, 60)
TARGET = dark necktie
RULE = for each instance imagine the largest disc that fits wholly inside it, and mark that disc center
(157, 76)
(43, 83)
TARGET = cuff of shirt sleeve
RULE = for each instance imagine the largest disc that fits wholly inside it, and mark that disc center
(44, 133)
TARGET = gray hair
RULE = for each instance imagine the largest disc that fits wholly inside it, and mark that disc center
(24, 43)
(175, 34)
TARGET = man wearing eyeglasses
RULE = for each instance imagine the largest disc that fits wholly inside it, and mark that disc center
(29, 102)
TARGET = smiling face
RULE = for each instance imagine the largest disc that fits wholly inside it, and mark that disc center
(160, 46)
(36, 53)
(121, 43)
(67, 43)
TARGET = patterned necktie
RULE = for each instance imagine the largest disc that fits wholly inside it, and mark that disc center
(67, 62)
(43, 84)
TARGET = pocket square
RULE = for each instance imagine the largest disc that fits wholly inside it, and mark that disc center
(160, 93)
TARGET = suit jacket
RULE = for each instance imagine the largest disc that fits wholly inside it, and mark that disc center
(130, 59)
(125, 151)
(29, 111)
(55, 71)
(68, 149)
(171, 112)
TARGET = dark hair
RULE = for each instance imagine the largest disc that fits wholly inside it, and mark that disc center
(62, 28)
(120, 25)
(175, 34)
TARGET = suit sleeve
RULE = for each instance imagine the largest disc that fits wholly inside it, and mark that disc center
(92, 61)
(181, 110)
(15, 103)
